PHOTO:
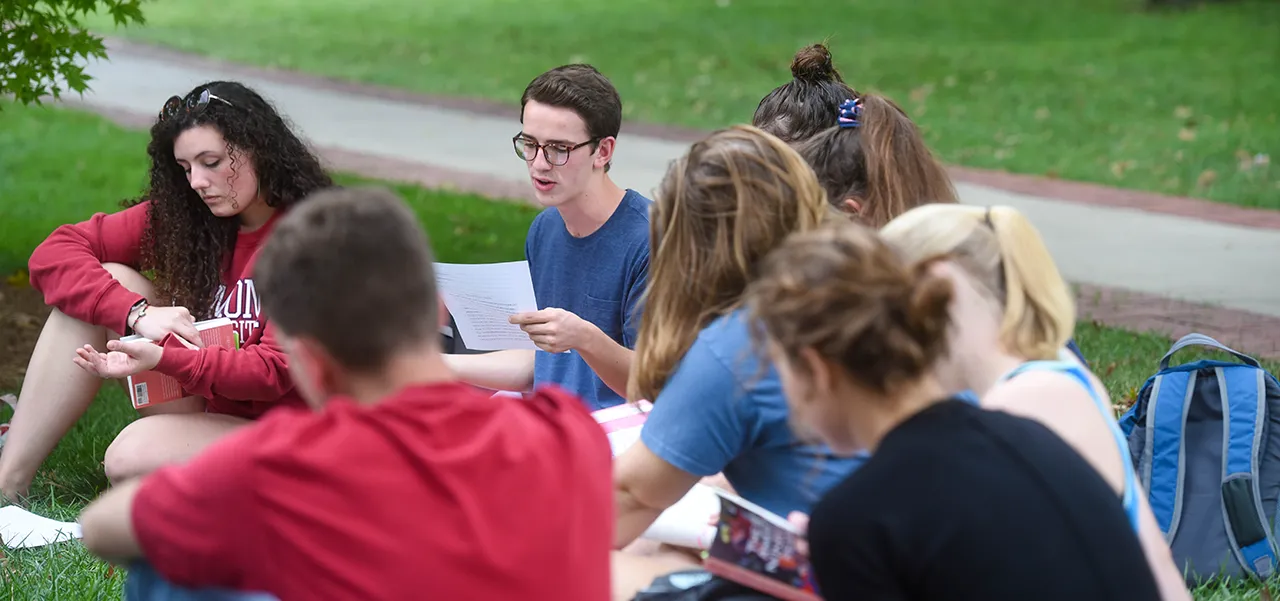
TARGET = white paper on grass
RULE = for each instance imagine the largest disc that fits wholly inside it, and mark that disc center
(21, 529)
(481, 298)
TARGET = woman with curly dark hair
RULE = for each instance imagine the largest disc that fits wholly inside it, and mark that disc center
(224, 167)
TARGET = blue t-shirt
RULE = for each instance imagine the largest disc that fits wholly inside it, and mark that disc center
(599, 277)
(723, 409)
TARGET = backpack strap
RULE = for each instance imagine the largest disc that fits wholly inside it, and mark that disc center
(1202, 340)
(1162, 466)
(1244, 409)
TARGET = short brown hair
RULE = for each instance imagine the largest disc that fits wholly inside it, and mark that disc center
(351, 268)
(883, 162)
(807, 104)
(583, 90)
(843, 292)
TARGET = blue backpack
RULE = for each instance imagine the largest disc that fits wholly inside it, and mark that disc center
(1205, 441)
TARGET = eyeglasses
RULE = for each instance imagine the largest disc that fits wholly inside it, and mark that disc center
(556, 153)
(192, 103)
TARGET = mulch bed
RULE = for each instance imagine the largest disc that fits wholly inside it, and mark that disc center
(22, 314)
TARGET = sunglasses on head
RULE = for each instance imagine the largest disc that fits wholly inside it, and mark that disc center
(192, 103)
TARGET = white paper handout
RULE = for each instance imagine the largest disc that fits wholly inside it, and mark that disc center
(20, 529)
(481, 297)
(689, 523)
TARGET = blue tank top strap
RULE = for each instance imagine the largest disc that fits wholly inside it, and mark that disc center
(1129, 498)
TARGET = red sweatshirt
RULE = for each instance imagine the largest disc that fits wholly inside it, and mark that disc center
(67, 269)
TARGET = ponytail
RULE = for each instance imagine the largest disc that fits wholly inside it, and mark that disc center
(1007, 260)
(1039, 311)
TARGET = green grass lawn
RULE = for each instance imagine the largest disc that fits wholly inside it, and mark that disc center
(1094, 90)
(39, 145)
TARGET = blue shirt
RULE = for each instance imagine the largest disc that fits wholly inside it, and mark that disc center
(723, 409)
(1128, 497)
(598, 277)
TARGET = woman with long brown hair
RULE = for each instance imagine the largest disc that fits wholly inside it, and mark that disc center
(869, 156)
(224, 167)
(873, 164)
(717, 406)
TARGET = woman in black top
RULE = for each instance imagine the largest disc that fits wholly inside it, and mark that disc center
(956, 502)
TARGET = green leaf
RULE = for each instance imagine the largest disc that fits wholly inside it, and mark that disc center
(43, 45)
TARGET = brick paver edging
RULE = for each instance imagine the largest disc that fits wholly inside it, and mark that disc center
(1252, 333)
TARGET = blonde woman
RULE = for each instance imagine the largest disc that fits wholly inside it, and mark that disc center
(1012, 314)
(717, 405)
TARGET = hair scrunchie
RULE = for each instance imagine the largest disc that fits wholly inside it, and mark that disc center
(851, 113)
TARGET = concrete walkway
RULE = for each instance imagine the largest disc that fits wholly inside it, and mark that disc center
(1155, 254)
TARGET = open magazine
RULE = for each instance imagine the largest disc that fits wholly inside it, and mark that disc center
(757, 549)
(152, 387)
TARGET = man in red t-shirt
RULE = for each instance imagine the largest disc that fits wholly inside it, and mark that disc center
(402, 483)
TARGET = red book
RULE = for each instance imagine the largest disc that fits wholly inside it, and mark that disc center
(152, 387)
(757, 549)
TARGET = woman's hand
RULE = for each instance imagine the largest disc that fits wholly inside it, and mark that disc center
(158, 322)
(122, 360)
(801, 523)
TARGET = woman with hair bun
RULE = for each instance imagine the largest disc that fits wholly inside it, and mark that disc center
(868, 155)
(870, 158)
(1013, 313)
(808, 104)
(956, 502)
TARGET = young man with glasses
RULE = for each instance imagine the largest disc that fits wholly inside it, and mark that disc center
(588, 251)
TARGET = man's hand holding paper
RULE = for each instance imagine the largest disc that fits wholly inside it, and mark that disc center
(556, 330)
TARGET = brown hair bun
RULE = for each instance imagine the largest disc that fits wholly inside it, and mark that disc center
(813, 64)
(843, 292)
(928, 305)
